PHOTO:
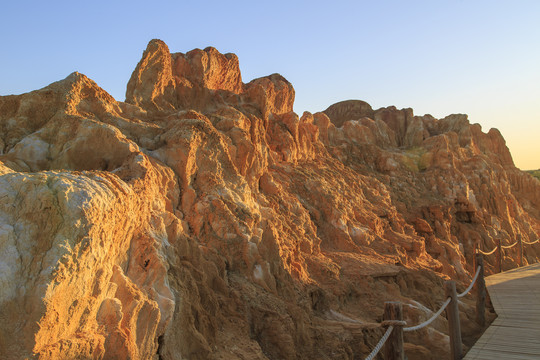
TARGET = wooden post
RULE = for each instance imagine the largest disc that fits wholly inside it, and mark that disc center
(393, 348)
(480, 293)
(452, 314)
(499, 255)
(475, 251)
(520, 250)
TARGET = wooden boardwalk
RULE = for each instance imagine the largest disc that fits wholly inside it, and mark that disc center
(515, 334)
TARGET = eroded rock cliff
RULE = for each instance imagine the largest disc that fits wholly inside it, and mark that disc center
(204, 219)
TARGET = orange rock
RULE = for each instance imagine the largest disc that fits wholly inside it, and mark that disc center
(152, 85)
(421, 226)
(348, 110)
(204, 219)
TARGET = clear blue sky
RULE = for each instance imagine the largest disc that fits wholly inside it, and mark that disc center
(440, 57)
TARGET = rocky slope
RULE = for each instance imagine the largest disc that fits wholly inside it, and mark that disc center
(535, 173)
(203, 219)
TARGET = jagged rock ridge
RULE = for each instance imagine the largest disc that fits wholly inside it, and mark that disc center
(204, 219)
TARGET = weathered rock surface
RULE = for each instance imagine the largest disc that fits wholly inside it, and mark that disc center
(204, 219)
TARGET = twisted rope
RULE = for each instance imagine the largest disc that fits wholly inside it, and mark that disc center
(531, 243)
(430, 320)
(472, 283)
(379, 346)
(487, 253)
(509, 246)
(392, 323)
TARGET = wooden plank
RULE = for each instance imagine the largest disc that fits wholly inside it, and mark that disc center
(515, 334)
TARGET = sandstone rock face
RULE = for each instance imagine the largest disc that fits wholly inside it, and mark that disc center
(152, 85)
(163, 81)
(204, 219)
(348, 110)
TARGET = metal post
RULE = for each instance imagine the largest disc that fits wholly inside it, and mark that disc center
(499, 255)
(520, 250)
(393, 348)
(452, 314)
(481, 293)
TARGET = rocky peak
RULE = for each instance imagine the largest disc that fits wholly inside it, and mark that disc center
(272, 94)
(204, 212)
(208, 69)
(397, 120)
(202, 80)
(347, 110)
(151, 85)
(355, 119)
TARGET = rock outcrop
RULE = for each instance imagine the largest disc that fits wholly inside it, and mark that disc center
(203, 219)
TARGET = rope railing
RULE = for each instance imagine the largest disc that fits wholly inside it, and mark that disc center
(487, 253)
(472, 284)
(395, 324)
(509, 246)
(530, 243)
(500, 247)
(430, 320)
(380, 344)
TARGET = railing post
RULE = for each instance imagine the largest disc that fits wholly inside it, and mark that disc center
(475, 251)
(481, 292)
(452, 314)
(520, 250)
(393, 348)
(499, 255)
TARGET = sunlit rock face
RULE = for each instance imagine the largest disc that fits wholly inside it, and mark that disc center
(204, 219)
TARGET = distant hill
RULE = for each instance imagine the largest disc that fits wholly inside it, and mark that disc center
(535, 173)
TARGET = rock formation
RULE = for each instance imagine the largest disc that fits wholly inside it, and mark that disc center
(204, 219)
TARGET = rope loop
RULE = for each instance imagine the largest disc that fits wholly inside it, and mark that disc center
(487, 253)
(509, 246)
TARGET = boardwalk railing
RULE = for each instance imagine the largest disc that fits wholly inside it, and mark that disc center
(392, 341)
(499, 248)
